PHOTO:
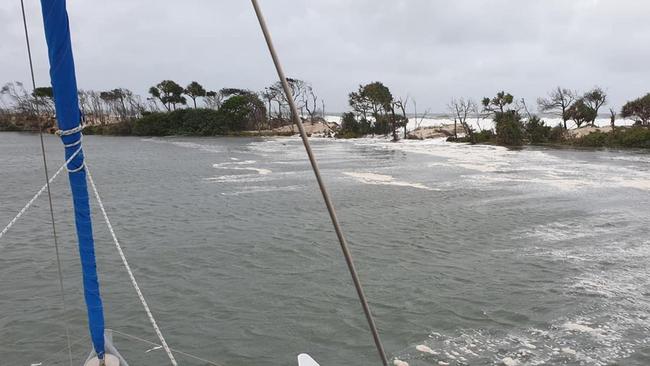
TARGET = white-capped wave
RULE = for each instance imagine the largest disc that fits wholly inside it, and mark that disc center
(382, 179)
(238, 166)
(263, 189)
(238, 178)
(185, 144)
(495, 164)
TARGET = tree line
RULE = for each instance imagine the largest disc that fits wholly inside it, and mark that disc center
(374, 110)
(267, 108)
(170, 95)
(514, 124)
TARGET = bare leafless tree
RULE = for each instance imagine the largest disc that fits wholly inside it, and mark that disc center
(213, 99)
(151, 105)
(84, 103)
(480, 115)
(275, 94)
(311, 102)
(401, 104)
(21, 101)
(135, 105)
(96, 113)
(418, 119)
(523, 104)
(269, 94)
(461, 108)
(558, 103)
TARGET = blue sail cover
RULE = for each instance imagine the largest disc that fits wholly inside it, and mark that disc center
(64, 85)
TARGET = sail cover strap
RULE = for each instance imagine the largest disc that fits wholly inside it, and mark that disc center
(64, 86)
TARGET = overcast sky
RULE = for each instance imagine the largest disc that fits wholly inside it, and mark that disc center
(431, 50)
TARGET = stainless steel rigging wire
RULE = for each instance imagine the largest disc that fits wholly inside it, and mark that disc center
(47, 183)
(321, 184)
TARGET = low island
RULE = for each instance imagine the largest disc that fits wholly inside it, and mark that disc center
(171, 109)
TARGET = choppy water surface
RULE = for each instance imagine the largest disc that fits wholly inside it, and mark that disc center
(470, 255)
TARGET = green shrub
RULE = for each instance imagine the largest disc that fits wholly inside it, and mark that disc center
(118, 129)
(121, 129)
(635, 137)
(536, 131)
(9, 127)
(154, 124)
(556, 134)
(594, 139)
(351, 127)
(485, 136)
(382, 125)
(203, 122)
(459, 139)
(508, 128)
(93, 130)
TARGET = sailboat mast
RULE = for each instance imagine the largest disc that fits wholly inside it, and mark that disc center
(64, 86)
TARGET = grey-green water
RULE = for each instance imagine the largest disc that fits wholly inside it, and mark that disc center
(485, 255)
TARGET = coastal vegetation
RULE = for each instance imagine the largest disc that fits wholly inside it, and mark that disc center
(514, 128)
(228, 111)
(171, 109)
(373, 113)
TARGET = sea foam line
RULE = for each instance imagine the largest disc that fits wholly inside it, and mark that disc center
(381, 179)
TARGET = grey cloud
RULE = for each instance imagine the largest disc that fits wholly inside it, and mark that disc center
(431, 50)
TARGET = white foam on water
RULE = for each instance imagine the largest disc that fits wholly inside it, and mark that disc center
(563, 342)
(509, 361)
(599, 334)
(632, 158)
(238, 178)
(494, 164)
(263, 189)
(568, 350)
(498, 164)
(235, 163)
(382, 179)
(261, 171)
(582, 327)
(528, 345)
(185, 144)
(637, 183)
(558, 231)
(488, 123)
(237, 166)
(425, 349)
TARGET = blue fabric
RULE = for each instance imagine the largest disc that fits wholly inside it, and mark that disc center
(64, 85)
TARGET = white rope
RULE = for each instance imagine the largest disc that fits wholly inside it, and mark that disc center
(74, 143)
(38, 194)
(157, 345)
(70, 131)
(128, 269)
